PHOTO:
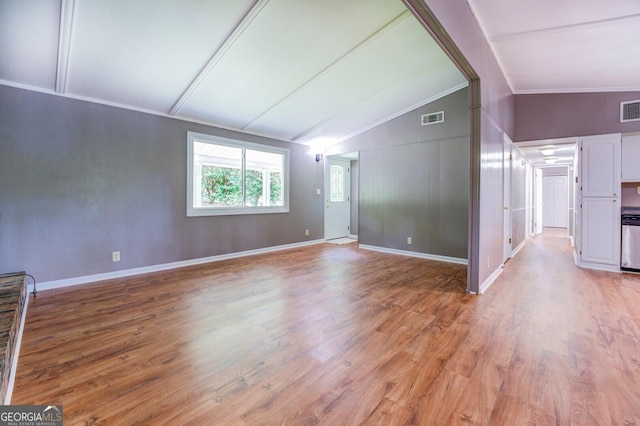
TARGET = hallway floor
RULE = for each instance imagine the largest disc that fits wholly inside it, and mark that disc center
(573, 336)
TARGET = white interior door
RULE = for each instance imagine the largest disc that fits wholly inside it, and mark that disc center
(555, 196)
(337, 190)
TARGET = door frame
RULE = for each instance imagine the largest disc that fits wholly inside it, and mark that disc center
(565, 195)
(327, 192)
(507, 227)
(537, 201)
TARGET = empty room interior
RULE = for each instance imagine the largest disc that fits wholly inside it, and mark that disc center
(387, 212)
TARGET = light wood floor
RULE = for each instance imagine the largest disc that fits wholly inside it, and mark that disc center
(334, 335)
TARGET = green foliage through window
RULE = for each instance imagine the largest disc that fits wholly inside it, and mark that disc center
(221, 186)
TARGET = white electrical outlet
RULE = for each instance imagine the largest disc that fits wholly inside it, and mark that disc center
(306, 232)
(318, 191)
(409, 240)
(115, 256)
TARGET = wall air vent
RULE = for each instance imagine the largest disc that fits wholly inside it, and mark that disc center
(629, 111)
(433, 118)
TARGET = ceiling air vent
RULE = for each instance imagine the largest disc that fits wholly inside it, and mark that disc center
(433, 118)
(629, 111)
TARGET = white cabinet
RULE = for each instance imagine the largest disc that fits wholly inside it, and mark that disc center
(600, 165)
(631, 158)
(599, 235)
(600, 231)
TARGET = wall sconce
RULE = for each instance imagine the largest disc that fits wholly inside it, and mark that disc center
(318, 157)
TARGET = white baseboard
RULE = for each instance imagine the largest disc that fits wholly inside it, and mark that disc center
(415, 254)
(599, 266)
(16, 353)
(517, 249)
(487, 283)
(165, 266)
(353, 236)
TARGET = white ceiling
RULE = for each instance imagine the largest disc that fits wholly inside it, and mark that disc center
(563, 151)
(288, 69)
(546, 46)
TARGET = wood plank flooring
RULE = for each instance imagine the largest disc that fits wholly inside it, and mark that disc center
(334, 335)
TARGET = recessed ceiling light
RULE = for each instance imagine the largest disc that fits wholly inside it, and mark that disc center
(548, 150)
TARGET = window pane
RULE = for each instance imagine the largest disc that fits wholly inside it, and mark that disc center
(254, 181)
(220, 169)
(263, 178)
(275, 196)
(336, 175)
(229, 177)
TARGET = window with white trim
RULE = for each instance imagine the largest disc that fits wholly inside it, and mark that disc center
(336, 177)
(228, 176)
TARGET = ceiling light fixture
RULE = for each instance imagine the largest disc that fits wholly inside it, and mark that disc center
(548, 150)
(551, 160)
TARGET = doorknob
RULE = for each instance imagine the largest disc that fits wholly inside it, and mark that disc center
(505, 208)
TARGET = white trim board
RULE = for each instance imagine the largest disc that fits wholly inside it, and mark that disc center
(517, 249)
(600, 267)
(490, 280)
(49, 285)
(415, 254)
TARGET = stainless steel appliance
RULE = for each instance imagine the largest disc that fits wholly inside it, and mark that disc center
(630, 253)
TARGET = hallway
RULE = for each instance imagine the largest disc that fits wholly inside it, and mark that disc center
(573, 336)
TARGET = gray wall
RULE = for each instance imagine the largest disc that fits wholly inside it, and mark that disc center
(414, 180)
(79, 180)
(559, 115)
(630, 196)
(555, 171)
(496, 116)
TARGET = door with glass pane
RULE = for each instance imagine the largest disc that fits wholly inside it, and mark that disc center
(337, 216)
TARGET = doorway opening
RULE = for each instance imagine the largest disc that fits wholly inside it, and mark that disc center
(553, 185)
(341, 197)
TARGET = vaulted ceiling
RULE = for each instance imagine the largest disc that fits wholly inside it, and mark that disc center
(289, 69)
(550, 46)
(546, 46)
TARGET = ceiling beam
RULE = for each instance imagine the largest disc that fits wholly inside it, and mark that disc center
(564, 28)
(67, 16)
(219, 54)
